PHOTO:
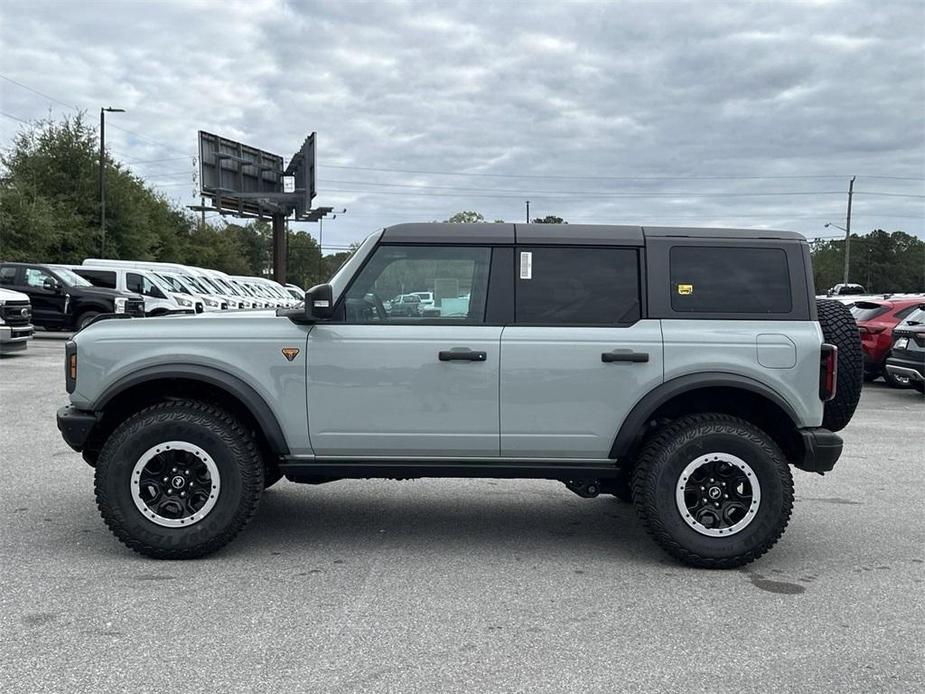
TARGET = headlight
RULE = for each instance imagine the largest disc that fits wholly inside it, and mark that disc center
(120, 304)
(211, 302)
(182, 301)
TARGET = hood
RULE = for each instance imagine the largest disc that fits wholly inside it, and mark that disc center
(219, 325)
(104, 293)
(10, 295)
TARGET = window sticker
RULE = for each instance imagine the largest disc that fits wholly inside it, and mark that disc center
(685, 289)
(526, 265)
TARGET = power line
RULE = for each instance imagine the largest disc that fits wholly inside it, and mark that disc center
(154, 161)
(611, 178)
(591, 193)
(7, 115)
(75, 108)
(36, 91)
(563, 195)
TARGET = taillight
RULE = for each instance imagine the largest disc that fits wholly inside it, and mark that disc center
(871, 330)
(828, 372)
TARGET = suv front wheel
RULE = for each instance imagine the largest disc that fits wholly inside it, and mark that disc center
(713, 490)
(178, 480)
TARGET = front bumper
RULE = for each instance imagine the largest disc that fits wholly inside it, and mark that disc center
(14, 337)
(821, 449)
(75, 426)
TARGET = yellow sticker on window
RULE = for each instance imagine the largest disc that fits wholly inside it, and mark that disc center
(684, 289)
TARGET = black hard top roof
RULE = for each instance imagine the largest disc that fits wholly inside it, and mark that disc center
(580, 234)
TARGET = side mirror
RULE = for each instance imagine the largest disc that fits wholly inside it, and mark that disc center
(51, 284)
(319, 302)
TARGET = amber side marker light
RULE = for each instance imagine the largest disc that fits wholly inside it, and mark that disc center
(72, 367)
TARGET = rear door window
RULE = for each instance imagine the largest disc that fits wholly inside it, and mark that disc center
(576, 286)
(866, 310)
(99, 278)
(720, 279)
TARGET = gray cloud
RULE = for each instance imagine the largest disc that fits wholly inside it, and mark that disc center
(625, 94)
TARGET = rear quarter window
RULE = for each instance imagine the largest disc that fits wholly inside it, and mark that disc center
(719, 279)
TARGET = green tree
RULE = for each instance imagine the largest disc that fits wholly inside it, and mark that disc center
(549, 219)
(881, 261)
(466, 217)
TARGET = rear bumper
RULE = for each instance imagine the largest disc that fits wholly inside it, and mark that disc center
(907, 368)
(821, 450)
(75, 426)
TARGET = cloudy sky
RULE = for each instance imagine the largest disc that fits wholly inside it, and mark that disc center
(701, 113)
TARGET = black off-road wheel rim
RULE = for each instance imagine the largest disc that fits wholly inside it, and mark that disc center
(718, 494)
(175, 484)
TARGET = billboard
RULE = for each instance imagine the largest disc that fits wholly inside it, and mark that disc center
(302, 170)
(237, 177)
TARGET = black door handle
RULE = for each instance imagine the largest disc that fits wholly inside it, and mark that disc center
(462, 355)
(624, 355)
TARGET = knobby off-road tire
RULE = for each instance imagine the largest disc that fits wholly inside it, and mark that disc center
(661, 472)
(840, 329)
(236, 472)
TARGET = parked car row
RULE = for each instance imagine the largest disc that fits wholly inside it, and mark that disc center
(889, 327)
(69, 297)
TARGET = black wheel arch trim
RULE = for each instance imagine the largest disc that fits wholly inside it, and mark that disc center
(233, 385)
(634, 424)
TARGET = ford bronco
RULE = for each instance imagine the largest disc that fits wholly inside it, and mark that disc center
(684, 370)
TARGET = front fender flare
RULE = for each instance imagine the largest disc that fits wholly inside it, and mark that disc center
(233, 385)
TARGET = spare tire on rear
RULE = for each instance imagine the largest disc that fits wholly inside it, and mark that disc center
(840, 329)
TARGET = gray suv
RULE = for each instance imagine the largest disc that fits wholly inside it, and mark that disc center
(684, 370)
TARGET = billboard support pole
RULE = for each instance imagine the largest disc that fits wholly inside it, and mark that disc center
(279, 247)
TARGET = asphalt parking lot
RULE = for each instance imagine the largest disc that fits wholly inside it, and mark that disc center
(458, 585)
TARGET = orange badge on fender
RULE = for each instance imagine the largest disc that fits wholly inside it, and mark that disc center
(290, 352)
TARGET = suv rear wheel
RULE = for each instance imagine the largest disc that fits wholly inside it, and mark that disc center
(713, 490)
(178, 480)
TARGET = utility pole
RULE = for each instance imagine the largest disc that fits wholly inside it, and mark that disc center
(280, 247)
(103, 112)
(528, 211)
(848, 230)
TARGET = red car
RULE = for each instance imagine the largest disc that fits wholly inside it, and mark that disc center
(876, 319)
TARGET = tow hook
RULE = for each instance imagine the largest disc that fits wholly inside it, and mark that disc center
(587, 489)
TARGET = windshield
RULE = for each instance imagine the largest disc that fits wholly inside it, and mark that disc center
(159, 282)
(197, 285)
(917, 317)
(865, 310)
(70, 277)
(207, 285)
(176, 284)
(224, 286)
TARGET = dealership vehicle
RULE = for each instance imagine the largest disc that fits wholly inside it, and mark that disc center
(427, 299)
(275, 290)
(260, 291)
(876, 320)
(296, 292)
(625, 360)
(180, 277)
(15, 321)
(907, 356)
(62, 300)
(405, 305)
(159, 298)
(843, 289)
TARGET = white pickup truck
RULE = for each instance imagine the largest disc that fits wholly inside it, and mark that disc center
(15, 321)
